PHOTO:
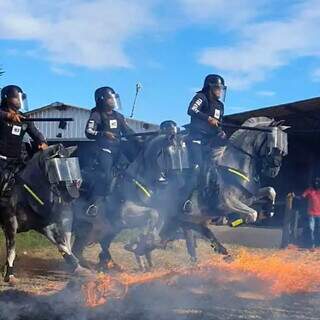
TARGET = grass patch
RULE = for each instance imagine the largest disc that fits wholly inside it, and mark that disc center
(34, 240)
(27, 240)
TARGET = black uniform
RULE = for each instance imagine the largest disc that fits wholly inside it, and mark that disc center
(201, 132)
(11, 136)
(11, 139)
(109, 150)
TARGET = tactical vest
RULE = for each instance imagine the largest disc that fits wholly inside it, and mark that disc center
(111, 122)
(11, 137)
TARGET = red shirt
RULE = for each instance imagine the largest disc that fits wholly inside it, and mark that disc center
(313, 197)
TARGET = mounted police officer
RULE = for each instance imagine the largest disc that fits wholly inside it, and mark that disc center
(106, 126)
(13, 129)
(206, 111)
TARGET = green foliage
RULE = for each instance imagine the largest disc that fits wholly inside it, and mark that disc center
(27, 240)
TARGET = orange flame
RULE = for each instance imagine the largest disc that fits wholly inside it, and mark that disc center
(288, 271)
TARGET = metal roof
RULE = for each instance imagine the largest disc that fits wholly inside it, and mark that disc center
(74, 130)
(304, 114)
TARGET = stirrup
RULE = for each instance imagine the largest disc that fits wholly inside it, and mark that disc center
(92, 210)
(187, 206)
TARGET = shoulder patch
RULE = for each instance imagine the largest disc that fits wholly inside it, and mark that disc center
(196, 105)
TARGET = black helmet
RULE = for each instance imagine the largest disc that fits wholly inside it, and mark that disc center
(168, 127)
(106, 97)
(13, 91)
(214, 81)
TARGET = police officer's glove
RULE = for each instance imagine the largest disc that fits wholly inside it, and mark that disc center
(222, 135)
(42, 146)
(109, 135)
(14, 117)
(213, 121)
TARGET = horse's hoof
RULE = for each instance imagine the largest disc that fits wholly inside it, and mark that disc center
(83, 272)
(110, 266)
(193, 261)
(131, 247)
(219, 249)
(252, 217)
(11, 280)
(228, 258)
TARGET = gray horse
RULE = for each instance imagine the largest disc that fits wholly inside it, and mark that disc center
(241, 163)
(40, 199)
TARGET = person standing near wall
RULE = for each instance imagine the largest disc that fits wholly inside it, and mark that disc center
(312, 195)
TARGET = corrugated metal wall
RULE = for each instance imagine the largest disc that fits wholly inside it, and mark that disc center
(74, 130)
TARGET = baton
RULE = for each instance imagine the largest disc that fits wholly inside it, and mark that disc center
(47, 119)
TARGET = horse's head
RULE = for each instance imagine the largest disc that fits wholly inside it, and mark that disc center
(272, 146)
(267, 146)
(62, 170)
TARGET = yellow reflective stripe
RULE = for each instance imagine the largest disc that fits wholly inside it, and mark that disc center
(144, 189)
(237, 222)
(239, 174)
(33, 194)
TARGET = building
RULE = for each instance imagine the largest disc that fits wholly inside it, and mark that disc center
(74, 130)
(73, 133)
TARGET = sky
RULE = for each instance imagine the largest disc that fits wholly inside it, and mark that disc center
(268, 51)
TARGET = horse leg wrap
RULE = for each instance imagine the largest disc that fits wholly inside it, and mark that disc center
(71, 260)
(8, 271)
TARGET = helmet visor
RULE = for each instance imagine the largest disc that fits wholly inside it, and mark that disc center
(219, 91)
(23, 99)
(111, 100)
(114, 101)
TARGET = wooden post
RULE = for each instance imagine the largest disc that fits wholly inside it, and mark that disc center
(286, 228)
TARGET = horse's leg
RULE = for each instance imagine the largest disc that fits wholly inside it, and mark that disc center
(140, 262)
(82, 238)
(206, 232)
(106, 262)
(231, 203)
(268, 194)
(149, 259)
(135, 215)
(59, 233)
(10, 231)
(191, 244)
(53, 235)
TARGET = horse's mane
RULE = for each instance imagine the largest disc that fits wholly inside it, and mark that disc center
(258, 122)
(238, 136)
(40, 156)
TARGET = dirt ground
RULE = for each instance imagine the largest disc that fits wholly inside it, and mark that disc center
(43, 271)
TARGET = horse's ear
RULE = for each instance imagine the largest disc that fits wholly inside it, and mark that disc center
(71, 150)
(277, 123)
(284, 128)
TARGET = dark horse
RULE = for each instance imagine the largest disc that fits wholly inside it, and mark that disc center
(247, 155)
(141, 198)
(40, 199)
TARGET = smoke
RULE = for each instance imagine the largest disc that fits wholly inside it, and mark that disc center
(196, 293)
